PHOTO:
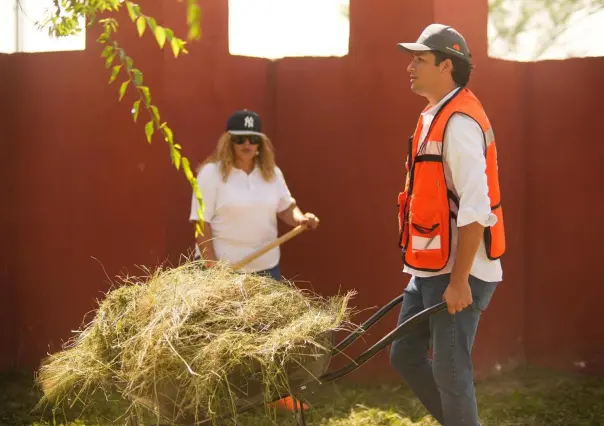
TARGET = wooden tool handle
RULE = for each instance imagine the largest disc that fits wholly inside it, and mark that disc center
(283, 238)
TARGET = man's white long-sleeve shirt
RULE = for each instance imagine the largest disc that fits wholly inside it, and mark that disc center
(465, 174)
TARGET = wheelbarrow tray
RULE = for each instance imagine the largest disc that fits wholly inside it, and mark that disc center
(247, 389)
(305, 373)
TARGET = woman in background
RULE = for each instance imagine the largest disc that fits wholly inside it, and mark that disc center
(244, 193)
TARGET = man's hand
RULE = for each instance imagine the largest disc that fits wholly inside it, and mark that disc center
(458, 296)
(309, 220)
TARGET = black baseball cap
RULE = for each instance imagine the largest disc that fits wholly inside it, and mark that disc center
(441, 38)
(244, 122)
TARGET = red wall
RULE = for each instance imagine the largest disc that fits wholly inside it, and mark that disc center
(82, 169)
(8, 143)
(564, 205)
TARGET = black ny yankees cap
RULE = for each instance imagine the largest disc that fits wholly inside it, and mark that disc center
(244, 122)
(441, 38)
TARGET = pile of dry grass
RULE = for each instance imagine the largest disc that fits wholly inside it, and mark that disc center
(194, 343)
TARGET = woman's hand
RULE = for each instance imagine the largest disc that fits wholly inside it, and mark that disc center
(293, 216)
(309, 220)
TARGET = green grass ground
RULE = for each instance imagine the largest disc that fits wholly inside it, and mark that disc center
(524, 397)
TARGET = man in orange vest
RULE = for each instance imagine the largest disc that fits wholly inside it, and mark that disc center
(451, 227)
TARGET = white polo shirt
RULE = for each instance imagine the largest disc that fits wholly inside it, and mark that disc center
(242, 213)
(465, 173)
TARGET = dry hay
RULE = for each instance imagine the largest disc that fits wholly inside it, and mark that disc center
(194, 342)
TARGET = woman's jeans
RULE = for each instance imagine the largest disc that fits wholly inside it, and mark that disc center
(274, 273)
(445, 383)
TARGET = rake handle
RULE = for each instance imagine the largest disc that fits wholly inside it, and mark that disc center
(282, 239)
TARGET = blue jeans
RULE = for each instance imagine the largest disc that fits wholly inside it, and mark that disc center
(445, 384)
(274, 273)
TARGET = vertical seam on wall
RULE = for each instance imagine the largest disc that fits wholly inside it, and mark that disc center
(526, 127)
(271, 84)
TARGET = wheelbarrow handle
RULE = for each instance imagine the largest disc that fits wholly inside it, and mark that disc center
(385, 341)
(360, 330)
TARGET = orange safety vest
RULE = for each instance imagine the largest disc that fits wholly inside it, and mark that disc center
(424, 211)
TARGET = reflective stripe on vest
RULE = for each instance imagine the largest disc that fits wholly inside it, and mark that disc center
(425, 207)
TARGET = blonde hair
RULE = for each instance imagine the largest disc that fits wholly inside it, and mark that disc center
(224, 153)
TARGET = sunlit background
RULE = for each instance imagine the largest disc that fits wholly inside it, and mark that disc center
(532, 30)
(278, 28)
(518, 30)
(19, 33)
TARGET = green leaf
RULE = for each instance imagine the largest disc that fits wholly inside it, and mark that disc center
(154, 113)
(123, 88)
(193, 21)
(108, 29)
(106, 51)
(168, 133)
(149, 129)
(131, 11)
(175, 47)
(160, 35)
(176, 157)
(146, 95)
(141, 24)
(194, 32)
(151, 22)
(129, 63)
(191, 12)
(187, 169)
(169, 34)
(109, 59)
(138, 76)
(103, 38)
(114, 73)
(135, 109)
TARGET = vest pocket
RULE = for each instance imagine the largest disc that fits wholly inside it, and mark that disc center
(425, 234)
(428, 247)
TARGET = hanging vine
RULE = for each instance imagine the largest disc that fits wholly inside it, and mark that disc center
(66, 19)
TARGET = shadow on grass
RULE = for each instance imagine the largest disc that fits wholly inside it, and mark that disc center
(526, 397)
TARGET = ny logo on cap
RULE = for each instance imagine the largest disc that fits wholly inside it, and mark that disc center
(249, 122)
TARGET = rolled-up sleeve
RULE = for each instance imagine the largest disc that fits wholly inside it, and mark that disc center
(207, 181)
(285, 196)
(465, 154)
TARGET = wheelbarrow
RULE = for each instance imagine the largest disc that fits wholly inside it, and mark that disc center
(317, 371)
(304, 379)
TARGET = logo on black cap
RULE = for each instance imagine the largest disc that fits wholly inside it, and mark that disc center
(249, 122)
(244, 122)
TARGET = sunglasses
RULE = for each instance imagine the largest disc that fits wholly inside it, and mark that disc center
(240, 139)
